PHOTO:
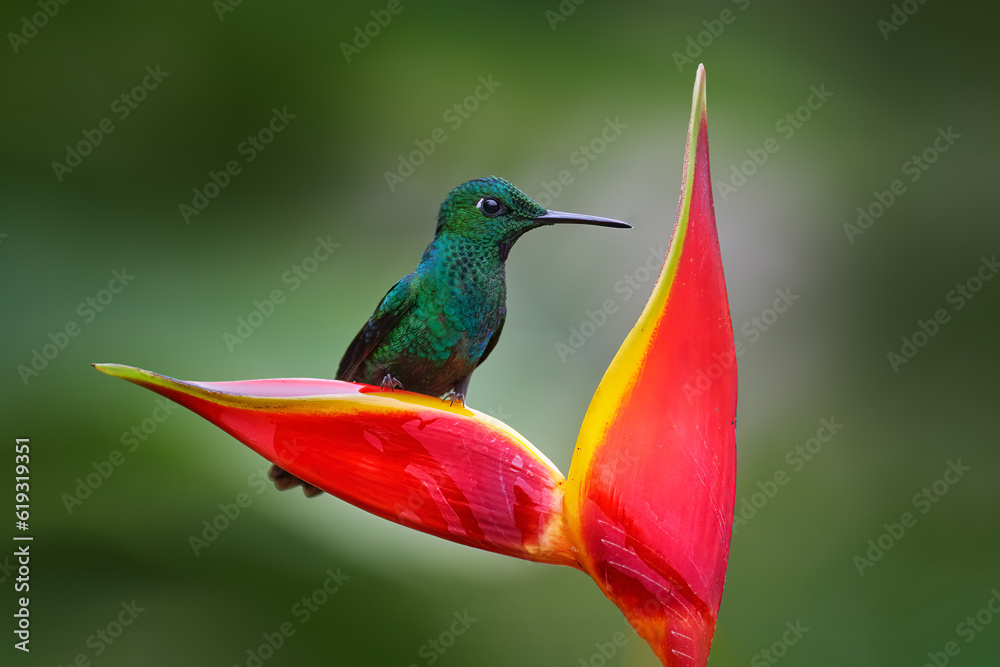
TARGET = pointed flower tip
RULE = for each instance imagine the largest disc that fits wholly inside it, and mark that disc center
(702, 84)
(699, 102)
(130, 373)
(112, 369)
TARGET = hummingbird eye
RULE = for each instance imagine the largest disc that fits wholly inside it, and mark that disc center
(490, 207)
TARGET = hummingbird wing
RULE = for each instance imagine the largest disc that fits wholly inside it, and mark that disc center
(461, 387)
(493, 341)
(396, 303)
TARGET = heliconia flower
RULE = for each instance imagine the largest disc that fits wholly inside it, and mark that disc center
(647, 508)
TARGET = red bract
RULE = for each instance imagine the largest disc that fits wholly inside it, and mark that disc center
(448, 471)
(651, 489)
(648, 506)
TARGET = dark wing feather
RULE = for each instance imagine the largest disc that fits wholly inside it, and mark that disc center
(396, 303)
(462, 386)
(493, 342)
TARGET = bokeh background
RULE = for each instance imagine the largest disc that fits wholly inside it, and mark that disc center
(561, 72)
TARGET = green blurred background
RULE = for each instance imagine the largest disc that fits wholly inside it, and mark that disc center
(556, 85)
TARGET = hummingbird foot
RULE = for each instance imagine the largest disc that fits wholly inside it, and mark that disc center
(285, 480)
(453, 396)
(391, 383)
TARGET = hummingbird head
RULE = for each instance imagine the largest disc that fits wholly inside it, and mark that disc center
(492, 210)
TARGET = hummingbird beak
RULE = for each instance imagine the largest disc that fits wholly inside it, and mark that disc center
(554, 217)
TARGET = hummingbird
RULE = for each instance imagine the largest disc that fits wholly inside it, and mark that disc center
(440, 322)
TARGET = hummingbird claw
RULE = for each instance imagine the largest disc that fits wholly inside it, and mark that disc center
(284, 480)
(453, 396)
(391, 383)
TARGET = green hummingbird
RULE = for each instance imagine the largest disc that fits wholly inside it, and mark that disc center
(439, 323)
